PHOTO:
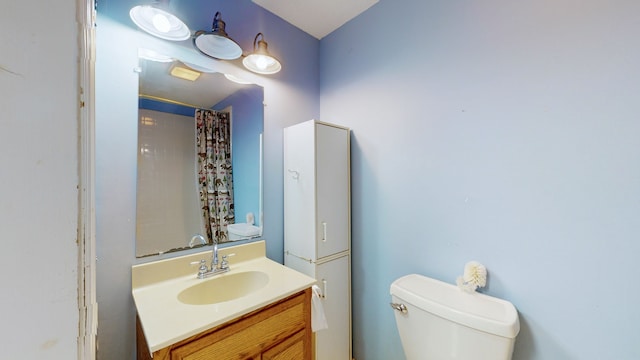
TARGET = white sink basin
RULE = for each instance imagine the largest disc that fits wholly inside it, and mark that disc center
(225, 287)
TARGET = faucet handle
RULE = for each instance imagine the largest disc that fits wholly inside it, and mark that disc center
(224, 265)
(203, 267)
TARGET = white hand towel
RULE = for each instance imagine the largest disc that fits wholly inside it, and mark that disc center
(318, 319)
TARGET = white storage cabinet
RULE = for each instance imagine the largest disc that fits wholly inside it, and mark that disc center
(317, 223)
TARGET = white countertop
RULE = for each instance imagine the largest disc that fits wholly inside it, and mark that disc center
(165, 320)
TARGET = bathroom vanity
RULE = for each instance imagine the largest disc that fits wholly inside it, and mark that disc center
(258, 310)
(278, 331)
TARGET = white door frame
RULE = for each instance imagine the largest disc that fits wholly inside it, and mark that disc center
(87, 305)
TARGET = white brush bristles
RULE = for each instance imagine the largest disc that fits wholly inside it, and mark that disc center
(475, 276)
(475, 273)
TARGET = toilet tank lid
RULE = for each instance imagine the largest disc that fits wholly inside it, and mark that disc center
(243, 229)
(475, 310)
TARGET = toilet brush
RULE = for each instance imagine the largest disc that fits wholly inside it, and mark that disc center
(475, 276)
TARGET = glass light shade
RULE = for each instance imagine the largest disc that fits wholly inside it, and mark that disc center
(159, 23)
(216, 46)
(260, 61)
(262, 64)
(216, 43)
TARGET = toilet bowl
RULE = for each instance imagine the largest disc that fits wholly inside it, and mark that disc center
(438, 321)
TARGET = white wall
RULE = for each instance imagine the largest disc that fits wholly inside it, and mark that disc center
(39, 176)
(504, 132)
(167, 196)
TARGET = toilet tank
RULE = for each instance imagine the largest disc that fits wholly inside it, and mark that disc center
(438, 321)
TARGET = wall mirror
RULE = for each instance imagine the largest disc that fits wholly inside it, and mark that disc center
(171, 203)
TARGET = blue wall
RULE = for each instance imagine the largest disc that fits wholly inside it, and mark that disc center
(503, 132)
(155, 105)
(247, 110)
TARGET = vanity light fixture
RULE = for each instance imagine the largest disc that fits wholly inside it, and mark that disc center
(261, 61)
(158, 22)
(216, 43)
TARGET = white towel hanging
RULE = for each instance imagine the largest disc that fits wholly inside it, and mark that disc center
(318, 319)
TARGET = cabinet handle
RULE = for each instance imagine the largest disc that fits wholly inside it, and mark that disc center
(324, 288)
(324, 231)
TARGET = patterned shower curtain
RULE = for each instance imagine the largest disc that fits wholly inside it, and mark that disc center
(215, 181)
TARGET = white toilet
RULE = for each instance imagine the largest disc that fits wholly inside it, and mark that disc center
(438, 321)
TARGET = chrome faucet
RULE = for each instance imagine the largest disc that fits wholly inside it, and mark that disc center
(217, 267)
(214, 256)
(199, 238)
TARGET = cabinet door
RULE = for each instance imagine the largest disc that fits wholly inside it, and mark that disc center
(334, 279)
(332, 190)
(299, 190)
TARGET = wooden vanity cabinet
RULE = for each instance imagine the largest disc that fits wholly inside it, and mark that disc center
(279, 331)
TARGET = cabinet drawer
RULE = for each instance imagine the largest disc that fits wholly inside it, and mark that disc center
(292, 348)
(249, 337)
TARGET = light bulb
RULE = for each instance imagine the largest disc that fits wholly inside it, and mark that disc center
(161, 23)
(263, 62)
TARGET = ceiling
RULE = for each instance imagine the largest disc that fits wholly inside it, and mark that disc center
(316, 17)
(210, 88)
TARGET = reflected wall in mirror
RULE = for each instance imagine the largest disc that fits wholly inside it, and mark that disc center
(169, 210)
